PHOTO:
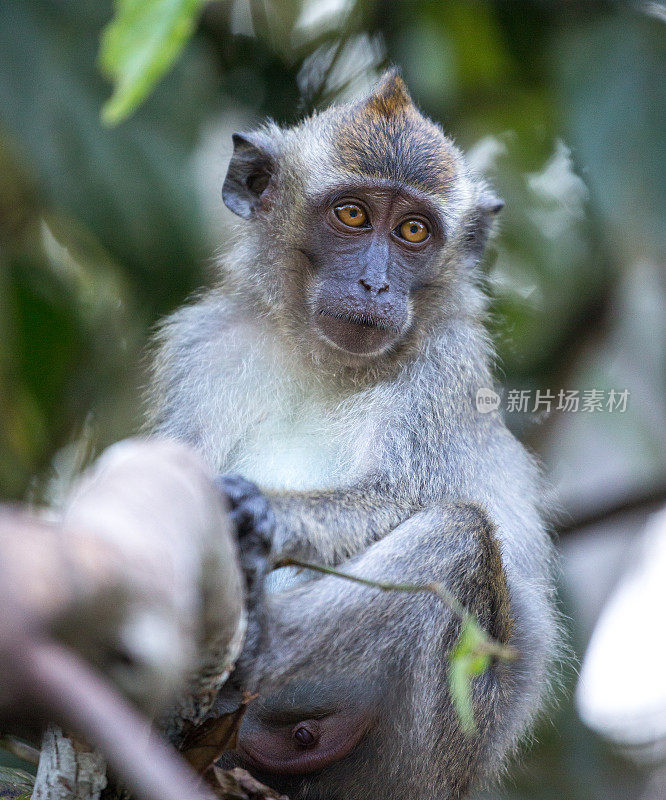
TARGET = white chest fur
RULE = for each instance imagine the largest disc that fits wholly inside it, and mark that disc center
(296, 446)
(296, 437)
(257, 410)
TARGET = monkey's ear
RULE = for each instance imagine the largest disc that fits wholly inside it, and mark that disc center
(480, 223)
(489, 203)
(248, 177)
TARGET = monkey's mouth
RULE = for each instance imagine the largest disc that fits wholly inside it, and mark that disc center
(358, 333)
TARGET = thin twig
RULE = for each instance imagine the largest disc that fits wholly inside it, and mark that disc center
(488, 646)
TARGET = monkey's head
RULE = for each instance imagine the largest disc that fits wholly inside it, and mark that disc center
(365, 225)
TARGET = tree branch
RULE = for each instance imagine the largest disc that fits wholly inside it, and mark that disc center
(140, 578)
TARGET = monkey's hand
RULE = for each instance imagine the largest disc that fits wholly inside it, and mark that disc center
(253, 518)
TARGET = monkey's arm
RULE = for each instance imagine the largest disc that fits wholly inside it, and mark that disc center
(365, 671)
(324, 526)
(331, 526)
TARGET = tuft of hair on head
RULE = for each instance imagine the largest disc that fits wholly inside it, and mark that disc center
(390, 96)
(385, 136)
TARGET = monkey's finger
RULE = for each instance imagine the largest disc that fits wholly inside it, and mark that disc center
(235, 488)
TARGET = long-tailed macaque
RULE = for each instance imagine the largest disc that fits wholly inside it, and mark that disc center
(336, 366)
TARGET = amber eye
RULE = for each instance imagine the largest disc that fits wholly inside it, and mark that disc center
(414, 231)
(350, 214)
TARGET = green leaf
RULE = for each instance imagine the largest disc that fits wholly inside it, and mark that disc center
(139, 45)
(468, 659)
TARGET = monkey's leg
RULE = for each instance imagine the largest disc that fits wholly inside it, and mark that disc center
(353, 681)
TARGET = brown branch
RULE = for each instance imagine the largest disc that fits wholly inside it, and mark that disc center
(73, 694)
(648, 501)
(20, 749)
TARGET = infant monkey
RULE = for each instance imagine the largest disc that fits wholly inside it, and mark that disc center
(336, 367)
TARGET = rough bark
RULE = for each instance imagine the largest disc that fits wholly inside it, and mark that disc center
(68, 768)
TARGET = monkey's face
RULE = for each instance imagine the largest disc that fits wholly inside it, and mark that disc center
(365, 221)
(371, 246)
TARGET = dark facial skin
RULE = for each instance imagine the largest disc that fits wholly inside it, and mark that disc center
(371, 247)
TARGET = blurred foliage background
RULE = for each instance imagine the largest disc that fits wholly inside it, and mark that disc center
(105, 228)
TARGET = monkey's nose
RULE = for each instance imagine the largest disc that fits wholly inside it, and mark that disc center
(374, 287)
